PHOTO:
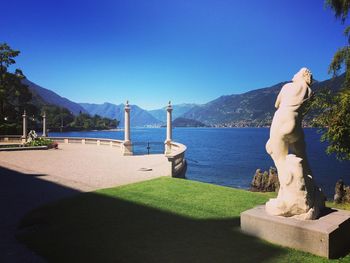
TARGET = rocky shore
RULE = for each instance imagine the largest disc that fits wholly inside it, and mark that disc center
(266, 181)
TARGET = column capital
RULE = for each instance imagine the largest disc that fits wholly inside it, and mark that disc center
(169, 107)
(127, 106)
(24, 114)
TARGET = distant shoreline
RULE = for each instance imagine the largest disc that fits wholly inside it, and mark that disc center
(118, 129)
(177, 127)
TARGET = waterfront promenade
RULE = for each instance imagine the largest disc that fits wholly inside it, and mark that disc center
(29, 179)
(86, 167)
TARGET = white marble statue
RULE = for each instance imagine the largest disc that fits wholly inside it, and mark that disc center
(298, 195)
(32, 136)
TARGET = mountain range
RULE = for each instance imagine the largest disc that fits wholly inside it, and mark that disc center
(251, 109)
(138, 117)
(178, 111)
(254, 108)
(42, 96)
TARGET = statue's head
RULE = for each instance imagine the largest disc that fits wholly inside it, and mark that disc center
(303, 74)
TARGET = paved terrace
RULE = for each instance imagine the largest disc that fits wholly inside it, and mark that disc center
(86, 167)
(29, 179)
(32, 178)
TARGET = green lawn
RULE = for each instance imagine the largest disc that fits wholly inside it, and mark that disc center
(162, 220)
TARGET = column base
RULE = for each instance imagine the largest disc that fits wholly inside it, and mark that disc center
(127, 148)
(167, 146)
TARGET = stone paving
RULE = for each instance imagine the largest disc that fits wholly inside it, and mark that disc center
(86, 167)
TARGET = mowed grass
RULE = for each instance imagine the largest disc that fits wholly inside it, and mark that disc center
(162, 220)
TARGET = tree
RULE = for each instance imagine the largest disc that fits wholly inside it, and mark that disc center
(340, 8)
(14, 95)
(335, 110)
(7, 56)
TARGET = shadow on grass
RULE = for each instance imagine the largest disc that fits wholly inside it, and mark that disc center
(96, 228)
(19, 194)
(92, 227)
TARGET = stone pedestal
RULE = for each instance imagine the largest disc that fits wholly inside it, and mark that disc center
(328, 236)
(167, 145)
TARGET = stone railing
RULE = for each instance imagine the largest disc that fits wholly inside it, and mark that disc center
(177, 160)
(93, 141)
(10, 139)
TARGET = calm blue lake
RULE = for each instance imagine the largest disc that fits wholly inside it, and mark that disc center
(229, 156)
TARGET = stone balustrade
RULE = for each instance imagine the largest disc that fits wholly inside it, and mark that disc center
(176, 158)
(10, 139)
(93, 141)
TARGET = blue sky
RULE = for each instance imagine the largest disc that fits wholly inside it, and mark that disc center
(152, 51)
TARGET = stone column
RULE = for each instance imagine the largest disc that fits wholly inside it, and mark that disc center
(24, 135)
(127, 122)
(169, 130)
(44, 125)
(127, 145)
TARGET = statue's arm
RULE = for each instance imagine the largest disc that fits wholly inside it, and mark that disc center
(278, 101)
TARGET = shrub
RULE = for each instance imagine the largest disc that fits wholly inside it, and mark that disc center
(43, 142)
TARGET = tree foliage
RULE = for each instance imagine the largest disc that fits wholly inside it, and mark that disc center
(7, 55)
(334, 117)
(340, 8)
(61, 119)
(14, 95)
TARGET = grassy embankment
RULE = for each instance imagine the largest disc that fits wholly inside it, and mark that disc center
(162, 220)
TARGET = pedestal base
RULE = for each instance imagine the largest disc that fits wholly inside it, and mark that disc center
(127, 148)
(328, 236)
(167, 147)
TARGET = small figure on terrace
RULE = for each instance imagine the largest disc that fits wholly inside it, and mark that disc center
(298, 195)
(32, 136)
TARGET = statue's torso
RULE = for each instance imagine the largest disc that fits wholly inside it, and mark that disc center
(286, 122)
(293, 95)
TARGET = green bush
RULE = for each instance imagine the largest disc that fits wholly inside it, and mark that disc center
(42, 142)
